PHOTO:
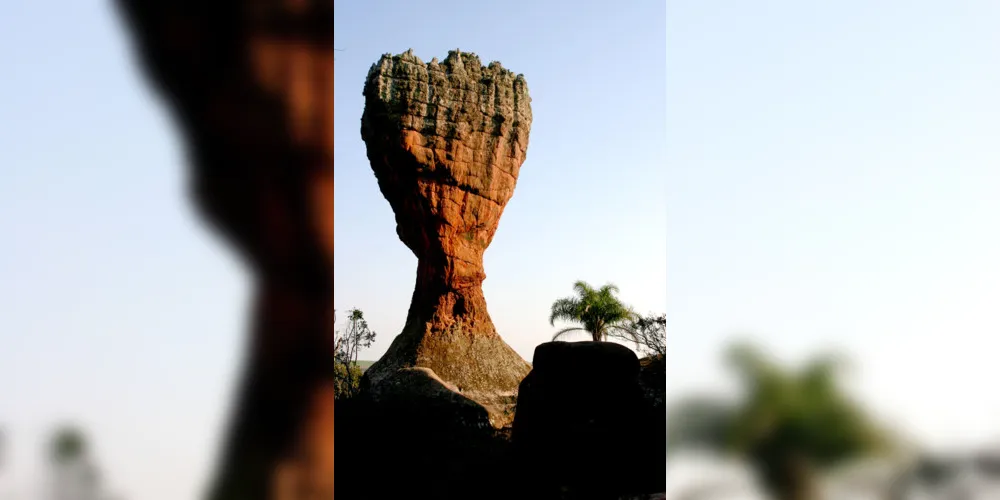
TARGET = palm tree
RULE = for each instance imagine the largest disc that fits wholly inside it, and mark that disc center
(599, 312)
(790, 424)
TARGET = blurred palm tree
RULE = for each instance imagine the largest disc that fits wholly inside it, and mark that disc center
(75, 476)
(68, 445)
(598, 311)
(789, 424)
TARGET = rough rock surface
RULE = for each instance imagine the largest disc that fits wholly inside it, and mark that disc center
(446, 141)
(250, 83)
(582, 407)
(421, 388)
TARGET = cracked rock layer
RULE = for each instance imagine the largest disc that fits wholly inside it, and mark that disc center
(446, 141)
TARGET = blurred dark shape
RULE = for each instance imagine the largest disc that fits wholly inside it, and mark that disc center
(250, 83)
(972, 475)
(68, 445)
(75, 474)
(933, 471)
(988, 464)
(790, 424)
(700, 421)
(583, 427)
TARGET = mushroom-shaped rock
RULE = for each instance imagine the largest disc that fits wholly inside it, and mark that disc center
(446, 141)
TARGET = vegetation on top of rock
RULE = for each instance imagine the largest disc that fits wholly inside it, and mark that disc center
(455, 61)
(598, 311)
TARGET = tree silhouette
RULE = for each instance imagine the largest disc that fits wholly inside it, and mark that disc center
(356, 336)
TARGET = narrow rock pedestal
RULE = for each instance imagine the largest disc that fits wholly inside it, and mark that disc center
(446, 142)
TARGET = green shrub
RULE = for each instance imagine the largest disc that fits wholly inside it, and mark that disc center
(347, 381)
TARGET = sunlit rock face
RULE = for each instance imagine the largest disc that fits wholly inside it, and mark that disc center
(446, 141)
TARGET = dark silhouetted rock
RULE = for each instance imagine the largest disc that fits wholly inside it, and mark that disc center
(584, 428)
(426, 396)
(446, 142)
(420, 439)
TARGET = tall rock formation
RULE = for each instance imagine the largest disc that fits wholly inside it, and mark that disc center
(446, 141)
(250, 84)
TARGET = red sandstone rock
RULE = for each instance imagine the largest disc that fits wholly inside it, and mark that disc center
(446, 142)
(251, 85)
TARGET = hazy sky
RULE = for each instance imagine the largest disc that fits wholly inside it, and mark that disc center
(833, 179)
(119, 310)
(809, 175)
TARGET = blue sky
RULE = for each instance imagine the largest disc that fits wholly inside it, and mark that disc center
(809, 176)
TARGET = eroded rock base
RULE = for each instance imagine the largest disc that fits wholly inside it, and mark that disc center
(483, 369)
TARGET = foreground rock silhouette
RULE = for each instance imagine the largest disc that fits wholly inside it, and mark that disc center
(585, 427)
(584, 430)
(446, 142)
(250, 83)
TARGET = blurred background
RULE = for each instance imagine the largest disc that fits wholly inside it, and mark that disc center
(833, 275)
(832, 196)
(122, 315)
